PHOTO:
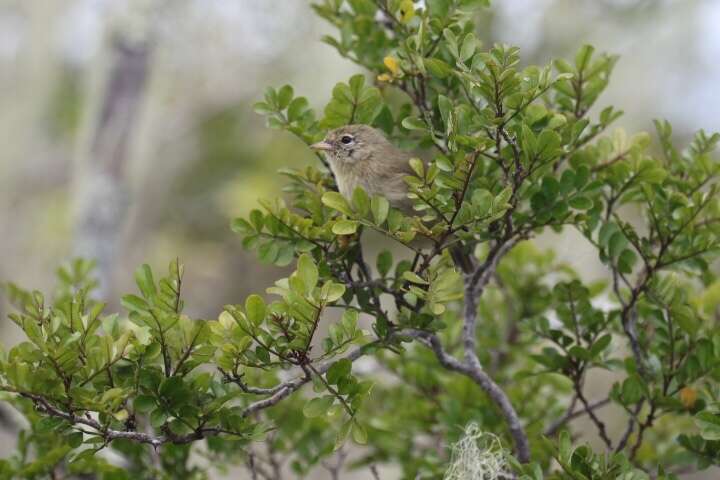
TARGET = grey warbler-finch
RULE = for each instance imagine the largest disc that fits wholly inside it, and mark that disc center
(361, 156)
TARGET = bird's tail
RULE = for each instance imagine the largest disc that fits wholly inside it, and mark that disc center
(461, 259)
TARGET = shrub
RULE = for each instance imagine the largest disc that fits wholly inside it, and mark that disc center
(507, 348)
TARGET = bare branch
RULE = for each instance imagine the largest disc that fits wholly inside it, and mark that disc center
(474, 285)
(479, 376)
(336, 468)
(602, 431)
(572, 414)
(630, 428)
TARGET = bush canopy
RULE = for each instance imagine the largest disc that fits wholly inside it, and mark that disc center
(274, 382)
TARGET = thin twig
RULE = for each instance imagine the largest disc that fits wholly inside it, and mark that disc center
(630, 428)
(572, 414)
(602, 431)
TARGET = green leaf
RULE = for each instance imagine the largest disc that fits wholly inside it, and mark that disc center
(240, 225)
(632, 390)
(337, 202)
(384, 262)
(145, 281)
(579, 352)
(550, 188)
(564, 447)
(652, 175)
(357, 82)
(134, 303)
(414, 123)
(255, 309)
(74, 439)
(308, 271)
(338, 371)
(380, 208)
(345, 227)
(437, 67)
(361, 201)
(600, 344)
(285, 94)
(318, 406)
(418, 167)
(438, 8)
(269, 252)
(332, 291)
(626, 261)
(359, 434)
(158, 418)
(686, 318)
(262, 108)
(482, 200)
(470, 43)
(343, 434)
(445, 106)
(349, 322)
(144, 403)
(414, 277)
(257, 219)
(709, 425)
(583, 57)
(501, 200)
(617, 244)
(581, 203)
(297, 108)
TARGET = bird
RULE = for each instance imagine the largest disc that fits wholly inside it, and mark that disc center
(362, 156)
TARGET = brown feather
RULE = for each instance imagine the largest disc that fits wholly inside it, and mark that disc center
(369, 161)
(361, 156)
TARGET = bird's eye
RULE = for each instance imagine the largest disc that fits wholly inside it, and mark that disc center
(346, 139)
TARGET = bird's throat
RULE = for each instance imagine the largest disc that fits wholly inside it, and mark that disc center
(347, 177)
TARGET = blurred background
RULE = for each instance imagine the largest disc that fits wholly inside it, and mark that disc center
(127, 133)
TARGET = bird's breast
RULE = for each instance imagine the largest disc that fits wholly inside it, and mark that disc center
(348, 178)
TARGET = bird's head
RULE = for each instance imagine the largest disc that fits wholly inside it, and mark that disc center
(353, 144)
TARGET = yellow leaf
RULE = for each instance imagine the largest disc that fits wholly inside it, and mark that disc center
(688, 397)
(384, 77)
(392, 64)
(121, 415)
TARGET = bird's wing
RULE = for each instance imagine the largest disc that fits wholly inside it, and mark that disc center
(392, 180)
(400, 164)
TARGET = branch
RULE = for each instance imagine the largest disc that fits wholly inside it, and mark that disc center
(108, 434)
(591, 413)
(611, 162)
(573, 414)
(480, 377)
(284, 389)
(630, 428)
(641, 429)
(474, 285)
(279, 392)
(483, 273)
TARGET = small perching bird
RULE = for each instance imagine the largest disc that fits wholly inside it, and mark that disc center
(361, 156)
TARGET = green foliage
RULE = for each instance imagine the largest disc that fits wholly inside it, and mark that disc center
(516, 150)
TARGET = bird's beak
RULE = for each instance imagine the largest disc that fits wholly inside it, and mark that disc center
(323, 146)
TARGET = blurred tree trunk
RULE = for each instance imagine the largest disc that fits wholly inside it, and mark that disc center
(101, 197)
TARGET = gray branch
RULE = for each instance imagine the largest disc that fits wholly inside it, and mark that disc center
(572, 414)
(474, 285)
(480, 377)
